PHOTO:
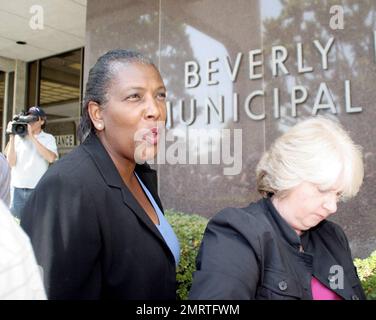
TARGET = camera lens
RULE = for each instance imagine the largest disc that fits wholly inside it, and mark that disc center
(20, 129)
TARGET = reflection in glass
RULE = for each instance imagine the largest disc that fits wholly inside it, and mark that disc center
(60, 85)
(290, 23)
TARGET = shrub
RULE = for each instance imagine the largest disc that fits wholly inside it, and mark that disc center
(367, 274)
(189, 229)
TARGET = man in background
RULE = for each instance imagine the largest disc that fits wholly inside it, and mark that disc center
(20, 276)
(29, 156)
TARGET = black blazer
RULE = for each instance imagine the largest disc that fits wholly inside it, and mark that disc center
(90, 235)
(252, 253)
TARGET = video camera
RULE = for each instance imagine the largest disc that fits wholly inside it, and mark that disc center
(20, 121)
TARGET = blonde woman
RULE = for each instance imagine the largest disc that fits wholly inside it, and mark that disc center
(283, 246)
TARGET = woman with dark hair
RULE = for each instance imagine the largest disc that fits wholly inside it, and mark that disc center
(95, 219)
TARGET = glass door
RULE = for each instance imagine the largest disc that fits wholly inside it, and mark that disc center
(59, 96)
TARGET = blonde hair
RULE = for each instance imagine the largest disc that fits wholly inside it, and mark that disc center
(317, 150)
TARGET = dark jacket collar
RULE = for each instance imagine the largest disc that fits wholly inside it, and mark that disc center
(281, 225)
(105, 165)
(111, 176)
(317, 257)
(107, 168)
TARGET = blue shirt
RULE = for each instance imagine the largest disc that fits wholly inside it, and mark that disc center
(164, 227)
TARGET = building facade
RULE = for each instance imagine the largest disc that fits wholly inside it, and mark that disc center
(238, 73)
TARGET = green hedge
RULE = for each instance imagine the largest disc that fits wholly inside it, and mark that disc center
(190, 228)
(367, 274)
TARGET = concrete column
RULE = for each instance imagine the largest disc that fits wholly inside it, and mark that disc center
(19, 98)
(5, 111)
(6, 64)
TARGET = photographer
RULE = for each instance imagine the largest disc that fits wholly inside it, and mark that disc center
(29, 152)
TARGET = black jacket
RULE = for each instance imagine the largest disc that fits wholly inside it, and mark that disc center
(252, 253)
(90, 235)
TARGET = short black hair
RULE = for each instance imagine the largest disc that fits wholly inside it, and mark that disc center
(39, 112)
(100, 77)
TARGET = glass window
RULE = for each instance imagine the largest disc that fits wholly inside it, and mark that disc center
(59, 96)
(33, 86)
